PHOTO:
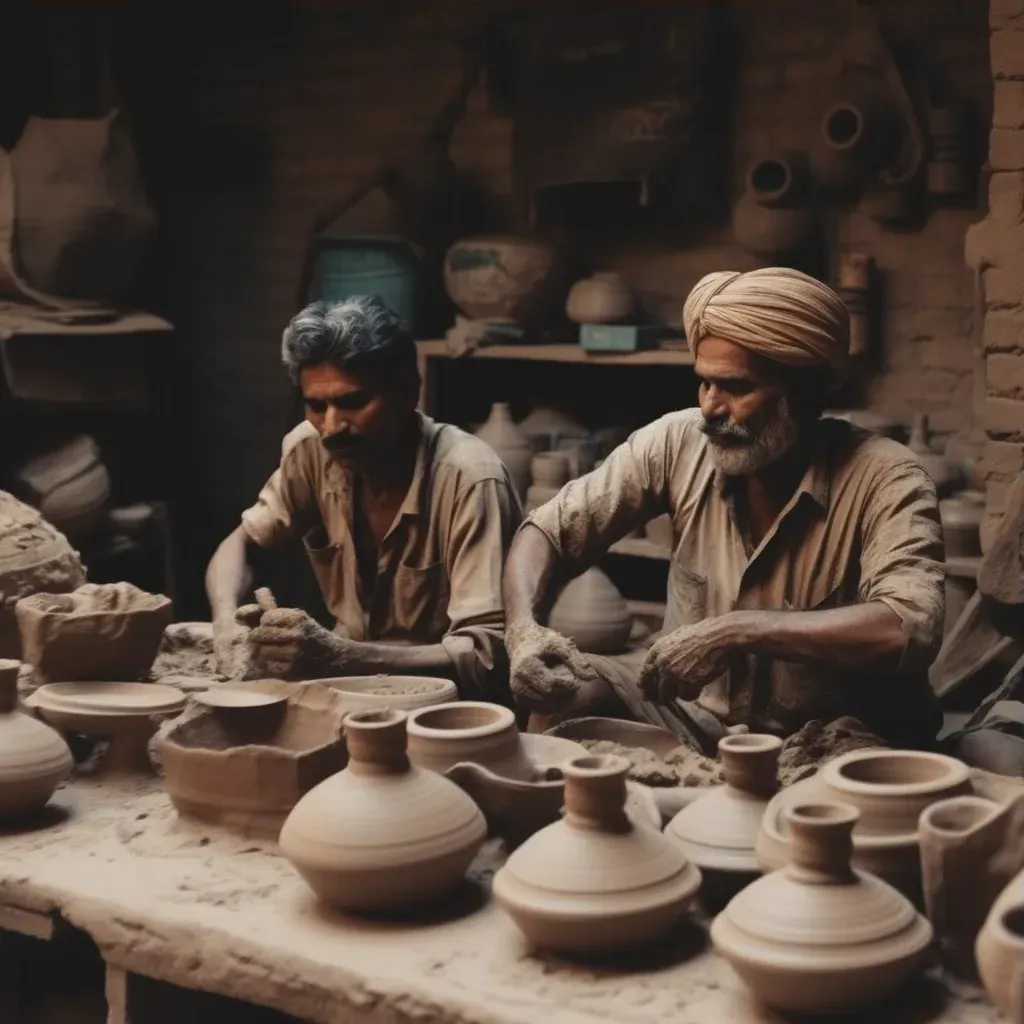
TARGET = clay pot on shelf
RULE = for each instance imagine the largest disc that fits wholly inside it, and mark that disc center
(841, 152)
(467, 730)
(500, 279)
(771, 218)
(818, 936)
(382, 834)
(890, 788)
(602, 298)
(935, 465)
(34, 759)
(545, 427)
(595, 881)
(999, 951)
(509, 443)
(549, 472)
(592, 613)
(962, 515)
(969, 854)
(718, 831)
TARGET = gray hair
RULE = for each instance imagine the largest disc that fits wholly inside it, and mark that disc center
(359, 334)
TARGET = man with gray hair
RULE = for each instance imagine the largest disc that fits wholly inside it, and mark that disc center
(406, 522)
(806, 581)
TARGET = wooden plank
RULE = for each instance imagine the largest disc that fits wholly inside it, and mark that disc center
(26, 922)
(438, 349)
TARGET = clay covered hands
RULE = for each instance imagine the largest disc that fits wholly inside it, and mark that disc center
(289, 644)
(547, 670)
(684, 661)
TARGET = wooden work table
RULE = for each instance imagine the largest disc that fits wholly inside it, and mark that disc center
(209, 911)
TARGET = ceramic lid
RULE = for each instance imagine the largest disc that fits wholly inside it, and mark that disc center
(110, 698)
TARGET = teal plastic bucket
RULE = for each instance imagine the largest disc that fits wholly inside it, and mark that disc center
(367, 266)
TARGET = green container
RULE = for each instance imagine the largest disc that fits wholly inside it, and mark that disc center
(381, 266)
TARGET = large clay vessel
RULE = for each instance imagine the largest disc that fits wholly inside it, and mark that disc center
(34, 759)
(771, 218)
(717, 832)
(1000, 952)
(970, 850)
(592, 613)
(382, 834)
(595, 881)
(819, 937)
(602, 298)
(34, 558)
(511, 446)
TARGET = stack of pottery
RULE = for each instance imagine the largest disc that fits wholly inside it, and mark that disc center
(818, 937)
(509, 443)
(595, 881)
(772, 218)
(549, 472)
(592, 613)
(34, 760)
(718, 832)
(602, 298)
(382, 834)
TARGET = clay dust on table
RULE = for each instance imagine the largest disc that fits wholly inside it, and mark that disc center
(680, 767)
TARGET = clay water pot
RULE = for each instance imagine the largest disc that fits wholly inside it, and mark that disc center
(818, 936)
(595, 881)
(510, 445)
(592, 613)
(602, 298)
(771, 218)
(382, 834)
(404, 693)
(719, 830)
(467, 730)
(999, 951)
(34, 759)
(549, 472)
(970, 850)
(935, 465)
(841, 152)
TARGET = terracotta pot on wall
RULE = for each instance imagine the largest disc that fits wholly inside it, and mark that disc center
(771, 218)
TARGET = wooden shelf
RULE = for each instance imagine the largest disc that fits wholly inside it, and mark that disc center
(640, 547)
(438, 349)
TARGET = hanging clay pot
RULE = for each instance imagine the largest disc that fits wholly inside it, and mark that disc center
(549, 472)
(935, 465)
(841, 152)
(717, 832)
(771, 218)
(970, 850)
(596, 881)
(602, 298)
(818, 937)
(961, 516)
(34, 759)
(500, 279)
(592, 613)
(999, 951)
(510, 444)
(382, 834)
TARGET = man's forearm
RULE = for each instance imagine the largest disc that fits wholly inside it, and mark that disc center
(229, 576)
(352, 658)
(529, 577)
(862, 635)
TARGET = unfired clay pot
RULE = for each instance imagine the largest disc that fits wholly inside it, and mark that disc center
(34, 760)
(405, 693)
(718, 831)
(602, 298)
(467, 730)
(592, 613)
(108, 631)
(382, 834)
(890, 788)
(595, 881)
(511, 446)
(999, 951)
(817, 936)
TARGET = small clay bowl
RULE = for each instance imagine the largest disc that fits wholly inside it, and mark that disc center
(242, 711)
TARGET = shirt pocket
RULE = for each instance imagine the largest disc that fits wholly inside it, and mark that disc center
(420, 602)
(687, 596)
(326, 558)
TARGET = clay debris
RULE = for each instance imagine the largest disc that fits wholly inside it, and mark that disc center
(680, 767)
(810, 747)
(187, 650)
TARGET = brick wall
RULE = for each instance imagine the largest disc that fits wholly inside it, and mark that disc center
(995, 247)
(307, 97)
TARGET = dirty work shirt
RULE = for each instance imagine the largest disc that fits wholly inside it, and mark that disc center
(438, 574)
(862, 526)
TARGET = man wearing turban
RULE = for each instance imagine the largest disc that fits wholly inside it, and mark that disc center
(806, 579)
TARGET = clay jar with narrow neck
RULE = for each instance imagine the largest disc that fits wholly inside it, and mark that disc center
(509, 443)
(999, 951)
(595, 881)
(818, 936)
(382, 835)
(34, 759)
(718, 832)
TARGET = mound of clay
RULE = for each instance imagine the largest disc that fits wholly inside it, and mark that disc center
(680, 767)
(810, 747)
(35, 558)
(187, 650)
(108, 631)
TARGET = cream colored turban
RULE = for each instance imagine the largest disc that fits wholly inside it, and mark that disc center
(779, 313)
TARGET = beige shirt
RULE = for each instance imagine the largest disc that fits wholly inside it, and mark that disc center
(862, 526)
(439, 566)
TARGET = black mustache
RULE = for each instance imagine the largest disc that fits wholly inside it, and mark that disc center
(726, 431)
(343, 443)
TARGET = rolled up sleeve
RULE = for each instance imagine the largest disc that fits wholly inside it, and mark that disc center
(629, 488)
(479, 531)
(286, 504)
(902, 558)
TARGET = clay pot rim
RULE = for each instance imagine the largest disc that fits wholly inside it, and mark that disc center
(986, 810)
(823, 812)
(594, 766)
(773, 194)
(502, 719)
(844, 106)
(51, 694)
(372, 719)
(255, 698)
(750, 743)
(1010, 925)
(833, 773)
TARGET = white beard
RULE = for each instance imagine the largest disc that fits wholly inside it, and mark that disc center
(779, 435)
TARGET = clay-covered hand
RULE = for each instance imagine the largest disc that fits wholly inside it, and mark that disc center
(684, 661)
(289, 644)
(547, 670)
